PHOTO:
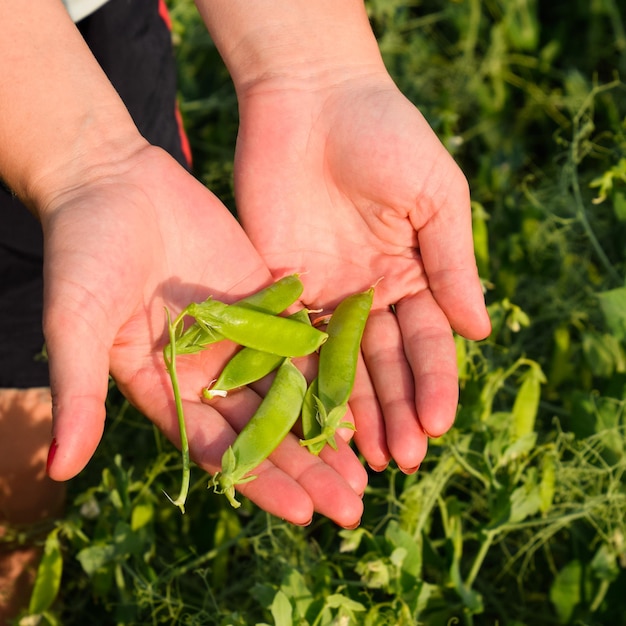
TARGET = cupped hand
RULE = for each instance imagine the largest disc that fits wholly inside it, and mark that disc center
(347, 183)
(143, 236)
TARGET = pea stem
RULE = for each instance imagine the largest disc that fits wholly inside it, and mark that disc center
(170, 363)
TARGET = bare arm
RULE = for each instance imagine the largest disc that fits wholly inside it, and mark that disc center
(338, 176)
(127, 232)
(60, 116)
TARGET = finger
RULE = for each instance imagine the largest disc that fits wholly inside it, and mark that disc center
(430, 349)
(293, 483)
(210, 433)
(346, 464)
(369, 436)
(447, 250)
(79, 375)
(392, 377)
(334, 480)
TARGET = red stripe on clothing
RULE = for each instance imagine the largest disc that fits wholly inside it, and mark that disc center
(184, 140)
(165, 15)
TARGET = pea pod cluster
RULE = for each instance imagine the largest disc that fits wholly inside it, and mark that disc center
(268, 342)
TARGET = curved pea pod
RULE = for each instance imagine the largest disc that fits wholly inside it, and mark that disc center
(245, 367)
(338, 359)
(249, 365)
(272, 299)
(310, 423)
(276, 297)
(526, 405)
(480, 233)
(337, 371)
(262, 331)
(271, 423)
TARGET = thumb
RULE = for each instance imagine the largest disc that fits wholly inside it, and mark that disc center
(79, 368)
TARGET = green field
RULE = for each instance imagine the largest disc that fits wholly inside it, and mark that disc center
(517, 516)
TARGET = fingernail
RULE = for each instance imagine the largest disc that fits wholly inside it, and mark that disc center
(353, 526)
(306, 523)
(51, 452)
(379, 468)
(410, 470)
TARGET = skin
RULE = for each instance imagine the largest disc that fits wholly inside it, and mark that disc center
(242, 325)
(261, 435)
(337, 172)
(114, 225)
(338, 357)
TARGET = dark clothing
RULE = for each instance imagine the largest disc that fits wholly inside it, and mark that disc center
(132, 43)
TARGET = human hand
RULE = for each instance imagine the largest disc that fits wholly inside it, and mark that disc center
(118, 250)
(346, 182)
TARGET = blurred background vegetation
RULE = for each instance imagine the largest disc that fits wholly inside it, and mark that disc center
(517, 515)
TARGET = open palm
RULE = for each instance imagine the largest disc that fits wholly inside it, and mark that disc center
(117, 252)
(350, 186)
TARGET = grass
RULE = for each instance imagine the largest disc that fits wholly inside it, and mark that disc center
(517, 516)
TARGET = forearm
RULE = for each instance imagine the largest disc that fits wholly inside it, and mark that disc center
(309, 42)
(59, 114)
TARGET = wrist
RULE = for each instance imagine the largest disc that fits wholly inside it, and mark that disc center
(299, 44)
(61, 120)
(93, 155)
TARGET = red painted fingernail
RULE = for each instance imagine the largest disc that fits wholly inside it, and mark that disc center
(51, 452)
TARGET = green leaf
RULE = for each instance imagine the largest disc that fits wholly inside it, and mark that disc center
(142, 515)
(339, 601)
(96, 557)
(227, 528)
(124, 542)
(601, 353)
(411, 564)
(526, 402)
(48, 579)
(619, 205)
(295, 587)
(604, 563)
(374, 572)
(512, 450)
(613, 305)
(351, 539)
(525, 501)
(281, 610)
(565, 592)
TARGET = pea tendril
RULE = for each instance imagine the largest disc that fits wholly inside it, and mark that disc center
(169, 354)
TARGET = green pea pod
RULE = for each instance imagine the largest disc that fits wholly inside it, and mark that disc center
(526, 405)
(270, 424)
(338, 359)
(276, 297)
(195, 339)
(272, 299)
(310, 423)
(245, 367)
(337, 370)
(327, 424)
(249, 365)
(258, 330)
